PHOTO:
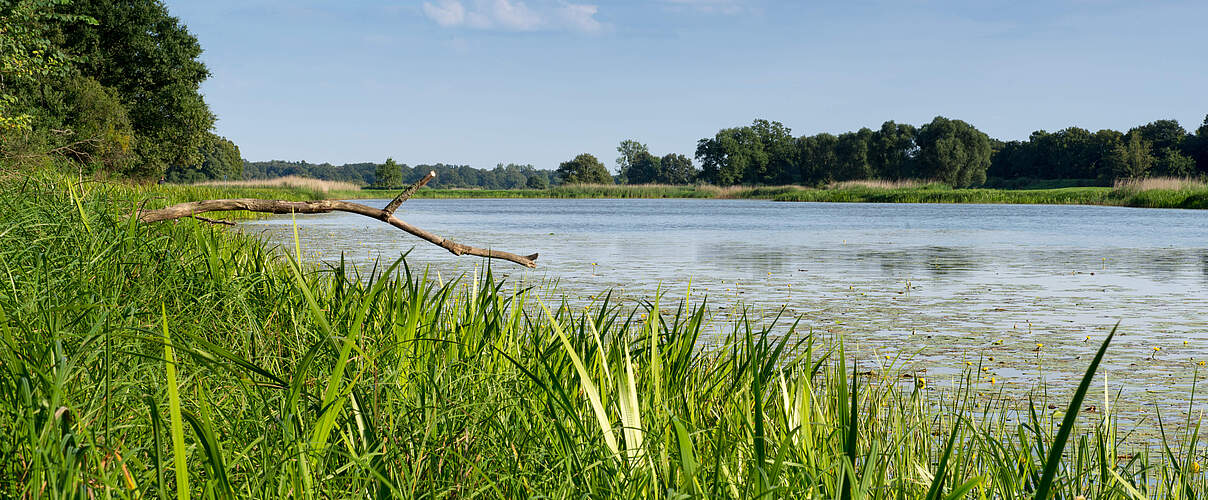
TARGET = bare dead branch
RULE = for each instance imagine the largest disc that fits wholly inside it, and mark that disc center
(191, 209)
(213, 221)
(403, 196)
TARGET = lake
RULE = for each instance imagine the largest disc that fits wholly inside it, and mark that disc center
(940, 285)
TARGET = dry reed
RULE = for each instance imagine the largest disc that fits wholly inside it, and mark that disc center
(880, 184)
(1163, 183)
(292, 181)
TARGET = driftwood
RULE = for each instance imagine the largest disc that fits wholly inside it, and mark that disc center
(191, 209)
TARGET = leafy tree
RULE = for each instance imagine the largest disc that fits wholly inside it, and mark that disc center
(584, 169)
(537, 181)
(954, 152)
(819, 162)
(782, 155)
(630, 150)
(1162, 134)
(151, 60)
(220, 159)
(1131, 159)
(389, 175)
(892, 149)
(1198, 147)
(29, 59)
(100, 132)
(1172, 162)
(644, 169)
(733, 156)
(851, 153)
(676, 169)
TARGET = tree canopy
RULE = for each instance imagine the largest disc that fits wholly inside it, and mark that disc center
(583, 169)
(114, 84)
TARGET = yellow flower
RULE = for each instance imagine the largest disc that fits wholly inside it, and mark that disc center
(1195, 467)
(1039, 345)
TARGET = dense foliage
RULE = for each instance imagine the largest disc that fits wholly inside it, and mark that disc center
(111, 85)
(949, 151)
(583, 169)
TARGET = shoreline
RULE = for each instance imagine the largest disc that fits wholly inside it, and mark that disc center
(1091, 196)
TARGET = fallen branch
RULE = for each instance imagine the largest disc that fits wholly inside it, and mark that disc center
(214, 221)
(191, 209)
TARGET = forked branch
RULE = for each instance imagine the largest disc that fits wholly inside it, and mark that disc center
(193, 208)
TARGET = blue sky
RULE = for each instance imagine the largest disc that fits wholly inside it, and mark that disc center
(481, 82)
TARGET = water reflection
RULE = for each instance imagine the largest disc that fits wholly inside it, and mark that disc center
(952, 282)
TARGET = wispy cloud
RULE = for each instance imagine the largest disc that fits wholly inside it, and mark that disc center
(707, 6)
(514, 15)
(446, 12)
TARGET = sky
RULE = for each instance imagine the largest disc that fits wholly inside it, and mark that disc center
(483, 82)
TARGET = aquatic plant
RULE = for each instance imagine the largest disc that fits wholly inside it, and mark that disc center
(184, 360)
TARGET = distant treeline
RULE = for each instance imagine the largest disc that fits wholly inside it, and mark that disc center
(766, 153)
(114, 88)
(950, 151)
(510, 176)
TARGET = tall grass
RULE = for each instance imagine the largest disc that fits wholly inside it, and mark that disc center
(297, 381)
(881, 183)
(1161, 183)
(289, 181)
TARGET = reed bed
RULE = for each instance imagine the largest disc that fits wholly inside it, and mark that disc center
(290, 181)
(881, 184)
(1161, 183)
(183, 360)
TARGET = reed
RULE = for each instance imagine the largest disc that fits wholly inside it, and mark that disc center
(289, 181)
(1161, 183)
(308, 382)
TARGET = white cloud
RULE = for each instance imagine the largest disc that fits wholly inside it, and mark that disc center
(446, 12)
(515, 15)
(708, 6)
(580, 17)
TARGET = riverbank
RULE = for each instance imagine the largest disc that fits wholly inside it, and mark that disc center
(151, 360)
(1191, 198)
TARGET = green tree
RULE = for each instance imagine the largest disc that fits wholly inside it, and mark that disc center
(676, 169)
(852, 154)
(891, 150)
(151, 60)
(100, 132)
(733, 156)
(644, 169)
(29, 58)
(780, 149)
(1162, 134)
(1172, 162)
(1198, 147)
(818, 159)
(954, 152)
(389, 175)
(583, 169)
(630, 150)
(1131, 159)
(220, 159)
(537, 181)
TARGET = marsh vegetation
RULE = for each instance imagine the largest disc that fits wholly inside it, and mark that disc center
(262, 375)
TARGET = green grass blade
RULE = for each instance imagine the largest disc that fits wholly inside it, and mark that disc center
(1053, 462)
(174, 413)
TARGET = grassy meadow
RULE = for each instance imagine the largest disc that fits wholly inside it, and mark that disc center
(187, 360)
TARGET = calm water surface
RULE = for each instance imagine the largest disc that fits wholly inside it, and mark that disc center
(939, 284)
